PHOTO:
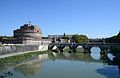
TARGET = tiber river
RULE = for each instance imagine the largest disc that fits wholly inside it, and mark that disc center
(66, 65)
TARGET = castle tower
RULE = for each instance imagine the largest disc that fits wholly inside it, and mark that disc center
(28, 32)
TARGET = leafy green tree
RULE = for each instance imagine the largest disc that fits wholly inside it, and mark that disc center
(113, 39)
(80, 38)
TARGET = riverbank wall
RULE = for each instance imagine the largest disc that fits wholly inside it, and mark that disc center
(21, 48)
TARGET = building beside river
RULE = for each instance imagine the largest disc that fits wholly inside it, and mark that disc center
(26, 34)
(30, 34)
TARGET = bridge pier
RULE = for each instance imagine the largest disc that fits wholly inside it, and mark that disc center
(60, 47)
(87, 49)
(72, 48)
(104, 50)
(50, 47)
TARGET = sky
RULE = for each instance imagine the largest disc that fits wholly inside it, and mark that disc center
(94, 18)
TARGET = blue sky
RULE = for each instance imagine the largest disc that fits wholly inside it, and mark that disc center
(94, 18)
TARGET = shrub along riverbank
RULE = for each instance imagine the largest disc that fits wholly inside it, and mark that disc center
(9, 61)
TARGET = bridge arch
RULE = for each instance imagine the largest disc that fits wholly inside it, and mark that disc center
(79, 49)
(87, 47)
(95, 48)
(55, 48)
(66, 49)
(103, 49)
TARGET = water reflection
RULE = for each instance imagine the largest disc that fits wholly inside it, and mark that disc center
(70, 56)
(108, 72)
(28, 69)
(6, 73)
(95, 53)
(110, 56)
(68, 65)
(32, 67)
(113, 60)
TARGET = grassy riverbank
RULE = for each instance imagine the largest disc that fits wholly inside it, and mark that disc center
(8, 61)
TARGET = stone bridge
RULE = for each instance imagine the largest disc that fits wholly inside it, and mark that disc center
(87, 47)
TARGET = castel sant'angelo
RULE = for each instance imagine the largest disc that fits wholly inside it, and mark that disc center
(29, 33)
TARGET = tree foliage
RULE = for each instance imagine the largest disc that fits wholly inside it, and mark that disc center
(44, 37)
(80, 38)
(64, 36)
(113, 39)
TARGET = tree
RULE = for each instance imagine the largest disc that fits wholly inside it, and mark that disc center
(75, 38)
(64, 36)
(1, 39)
(113, 39)
(80, 38)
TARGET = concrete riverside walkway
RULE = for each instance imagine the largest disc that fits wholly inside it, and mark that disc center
(14, 54)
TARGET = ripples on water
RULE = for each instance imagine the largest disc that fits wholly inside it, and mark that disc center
(65, 65)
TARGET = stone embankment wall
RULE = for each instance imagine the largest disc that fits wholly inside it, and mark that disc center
(18, 48)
